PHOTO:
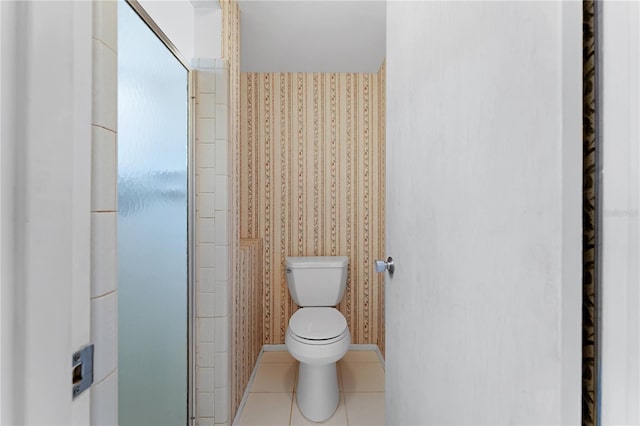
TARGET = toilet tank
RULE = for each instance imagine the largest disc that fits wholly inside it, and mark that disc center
(317, 280)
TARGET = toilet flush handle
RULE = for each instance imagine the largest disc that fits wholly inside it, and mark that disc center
(382, 266)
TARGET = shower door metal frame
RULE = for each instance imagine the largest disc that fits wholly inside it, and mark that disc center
(191, 211)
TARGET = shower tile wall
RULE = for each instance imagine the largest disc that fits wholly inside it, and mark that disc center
(104, 285)
(213, 241)
(313, 183)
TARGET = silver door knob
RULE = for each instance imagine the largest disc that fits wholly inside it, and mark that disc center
(382, 266)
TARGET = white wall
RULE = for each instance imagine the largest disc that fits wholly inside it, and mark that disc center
(175, 18)
(620, 132)
(207, 32)
(46, 133)
(8, 121)
(195, 31)
(489, 96)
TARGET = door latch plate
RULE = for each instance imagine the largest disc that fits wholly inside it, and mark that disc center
(81, 370)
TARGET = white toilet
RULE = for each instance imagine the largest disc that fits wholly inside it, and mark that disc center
(317, 335)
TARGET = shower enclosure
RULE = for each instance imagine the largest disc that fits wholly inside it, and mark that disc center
(153, 235)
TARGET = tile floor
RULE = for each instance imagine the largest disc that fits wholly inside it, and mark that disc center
(271, 399)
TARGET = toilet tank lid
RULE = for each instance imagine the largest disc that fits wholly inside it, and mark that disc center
(317, 261)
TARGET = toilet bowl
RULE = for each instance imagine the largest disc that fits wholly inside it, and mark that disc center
(318, 335)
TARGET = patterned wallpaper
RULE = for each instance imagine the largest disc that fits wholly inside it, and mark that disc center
(312, 182)
(240, 360)
(247, 307)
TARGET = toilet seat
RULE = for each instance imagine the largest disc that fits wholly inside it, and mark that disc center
(318, 325)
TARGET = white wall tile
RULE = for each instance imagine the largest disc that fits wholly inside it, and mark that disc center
(206, 380)
(221, 260)
(206, 81)
(222, 299)
(206, 230)
(222, 122)
(103, 335)
(222, 157)
(222, 407)
(222, 194)
(206, 107)
(104, 394)
(213, 205)
(206, 204)
(206, 155)
(206, 279)
(103, 253)
(205, 304)
(206, 255)
(207, 63)
(104, 401)
(105, 86)
(205, 287)
(206, 180)
(206, 129)
(105, 18)
(222, 227)
(222, 366)
(206, 330)
(205, 404)
(104, 169)
(206, 354)
(221, 334)
(222, 87)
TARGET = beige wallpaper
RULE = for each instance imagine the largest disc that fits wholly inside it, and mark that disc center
(247, 335)
(312, 182)
(241, 359)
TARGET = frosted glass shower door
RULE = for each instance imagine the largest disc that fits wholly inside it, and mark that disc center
(152, 228)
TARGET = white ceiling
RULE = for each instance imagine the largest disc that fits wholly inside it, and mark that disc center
(312, 36)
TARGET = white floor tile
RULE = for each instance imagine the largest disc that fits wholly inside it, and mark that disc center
(362, 377)
(272, 396)
(365, 409)
(274, 377)
(338, 418)
(267, 409)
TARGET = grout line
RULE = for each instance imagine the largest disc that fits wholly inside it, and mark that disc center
(100, 126)
(104, 378)
(103, 295)
(293, 396)
(346, 411)
(102, 42)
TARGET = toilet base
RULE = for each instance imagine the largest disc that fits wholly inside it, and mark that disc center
(317, 391)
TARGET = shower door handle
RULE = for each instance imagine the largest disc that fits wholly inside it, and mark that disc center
(387, 265)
